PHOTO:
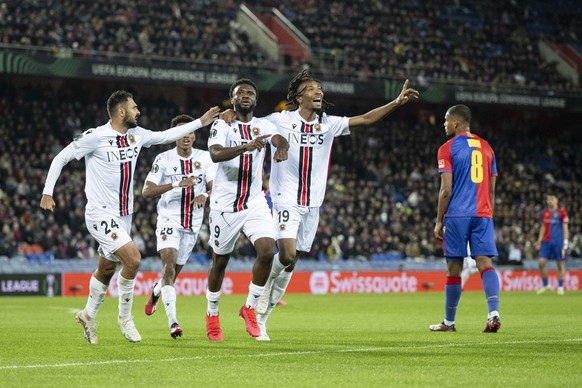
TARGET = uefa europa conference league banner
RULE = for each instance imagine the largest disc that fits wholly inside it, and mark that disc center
(12, 62)
(30, 284)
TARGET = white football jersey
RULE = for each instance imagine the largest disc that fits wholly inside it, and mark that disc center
(302, 178)
(239, 181)
(110, 160)
(176, 205)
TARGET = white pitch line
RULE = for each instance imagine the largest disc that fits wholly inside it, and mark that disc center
(279, 354)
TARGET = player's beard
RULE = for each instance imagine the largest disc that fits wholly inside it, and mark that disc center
(131, 122)
(245, 110)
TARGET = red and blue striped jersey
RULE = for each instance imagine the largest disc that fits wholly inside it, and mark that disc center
(554, 220)
(471, 160)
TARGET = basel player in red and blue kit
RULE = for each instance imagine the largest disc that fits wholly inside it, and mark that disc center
(468, 172)
(553, 242)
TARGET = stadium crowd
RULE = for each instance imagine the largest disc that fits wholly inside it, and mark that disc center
(382, 189)
(496, 43)
(448, 41)
(196, 31)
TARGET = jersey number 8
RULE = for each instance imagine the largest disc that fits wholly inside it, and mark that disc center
(476, 166)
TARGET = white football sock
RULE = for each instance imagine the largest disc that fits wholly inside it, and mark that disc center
(213, 299)
(279, 286)
(254, 293)
(125, 288)
(277, 267)
(169, 300)
(97, 292)
(158, 288)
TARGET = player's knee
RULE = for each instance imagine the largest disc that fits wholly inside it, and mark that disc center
(169, 274)
(287, 258)
(132, 265)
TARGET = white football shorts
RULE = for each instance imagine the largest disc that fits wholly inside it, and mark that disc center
(225, 228)
(111, 232)
(172, 235)
(296, 222)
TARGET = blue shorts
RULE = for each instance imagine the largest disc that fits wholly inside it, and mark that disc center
(552, 250)
(477, 231)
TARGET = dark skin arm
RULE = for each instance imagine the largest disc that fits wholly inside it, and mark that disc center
(219, 153)
(444, 198)
(378, 114)
(151, 190)
(282, 146)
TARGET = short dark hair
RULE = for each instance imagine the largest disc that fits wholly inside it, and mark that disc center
(243, 81)
(461, 111)
(116, 98)
(181, 119)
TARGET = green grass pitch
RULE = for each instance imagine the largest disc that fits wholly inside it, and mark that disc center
(316, 341)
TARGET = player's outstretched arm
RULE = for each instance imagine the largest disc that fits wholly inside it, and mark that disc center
(178, 132)
(378, 114)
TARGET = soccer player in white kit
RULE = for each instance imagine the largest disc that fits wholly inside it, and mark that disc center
(111, 152)
(298, 185)
(180, 213)
(238, 203)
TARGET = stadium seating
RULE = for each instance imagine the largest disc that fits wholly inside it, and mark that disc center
(382, 186)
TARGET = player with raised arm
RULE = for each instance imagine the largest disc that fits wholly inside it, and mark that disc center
(468, 172)
(298, 185)
(238, 203)
(183, 178)
(553, 242)
(111, 152)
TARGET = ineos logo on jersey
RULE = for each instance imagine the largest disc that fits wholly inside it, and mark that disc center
(308, 139)
(319, 282)
(234, 143)
(122, 154)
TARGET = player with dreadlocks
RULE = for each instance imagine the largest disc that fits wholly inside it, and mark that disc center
(298, 184)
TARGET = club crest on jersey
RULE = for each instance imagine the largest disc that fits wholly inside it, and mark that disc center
(131, 138)
(164, 237)
(197, 165)
(441, 163)
(114, 236)
(317, 127)
(216, 243)
(255, 131)
(282, 227)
